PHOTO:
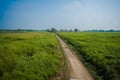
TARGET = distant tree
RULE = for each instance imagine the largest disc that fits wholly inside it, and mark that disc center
(75, 29)
(111, 30)
(101, 30)
(53, 30)
(61, 30)
(65, 30)
(48, 30)
(70, 30)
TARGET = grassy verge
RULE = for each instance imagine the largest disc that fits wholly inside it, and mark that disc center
(29, 56)
(65, 68)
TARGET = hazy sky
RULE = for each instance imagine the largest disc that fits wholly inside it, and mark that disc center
(61, 14)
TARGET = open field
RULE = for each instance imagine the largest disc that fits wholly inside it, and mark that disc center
(29, 56)
(100, 51)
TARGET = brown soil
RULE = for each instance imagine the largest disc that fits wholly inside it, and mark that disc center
(77, 69)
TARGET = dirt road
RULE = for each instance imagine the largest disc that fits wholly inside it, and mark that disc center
(77, 69)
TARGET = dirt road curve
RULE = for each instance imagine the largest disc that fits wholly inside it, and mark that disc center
(77, 69)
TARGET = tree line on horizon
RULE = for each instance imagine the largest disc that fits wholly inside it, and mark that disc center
(61, 30)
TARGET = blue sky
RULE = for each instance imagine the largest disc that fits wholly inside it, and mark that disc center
(61, 14)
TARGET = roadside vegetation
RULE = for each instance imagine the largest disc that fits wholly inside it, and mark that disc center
(100, 51)
(29, 56)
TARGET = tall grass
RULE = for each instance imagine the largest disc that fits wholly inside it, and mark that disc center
(29, 56)
(100, 52)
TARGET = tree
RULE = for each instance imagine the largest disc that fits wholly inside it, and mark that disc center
(75, 29)
(53, 30)
(61, 30)
(70, 30)
(48, 30)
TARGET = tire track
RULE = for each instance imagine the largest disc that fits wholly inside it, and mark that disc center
(77, 70)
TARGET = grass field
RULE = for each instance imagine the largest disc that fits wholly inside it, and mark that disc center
(100, 51)
(29, 56)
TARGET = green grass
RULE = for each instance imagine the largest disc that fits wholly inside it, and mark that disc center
(29, 56)
(100, 51)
